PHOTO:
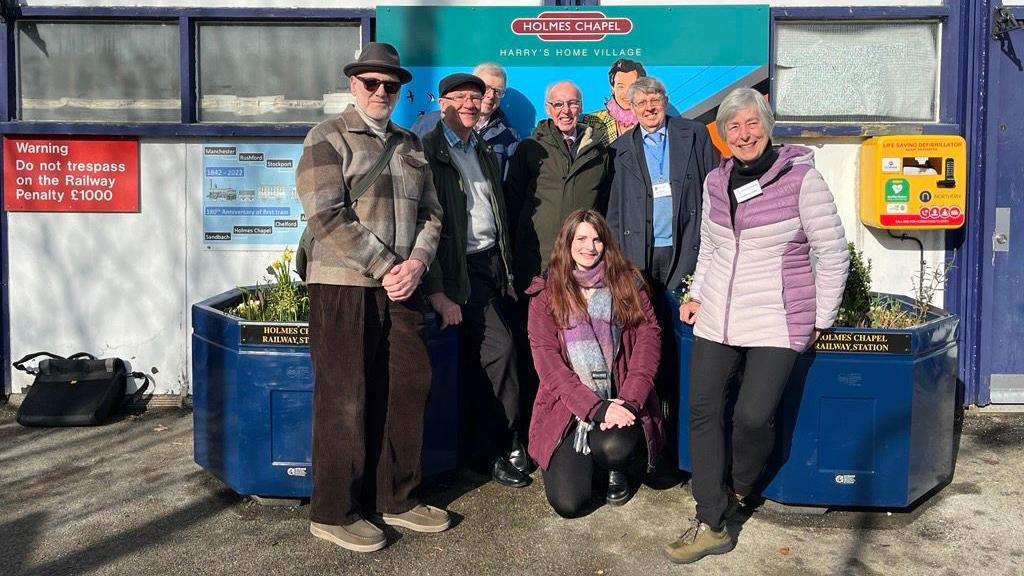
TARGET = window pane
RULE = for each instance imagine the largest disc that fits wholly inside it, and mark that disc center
(98, 72)
(856, 71)
(274, 72)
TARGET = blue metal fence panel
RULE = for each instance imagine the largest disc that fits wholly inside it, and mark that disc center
(6, 89)
(965, 247)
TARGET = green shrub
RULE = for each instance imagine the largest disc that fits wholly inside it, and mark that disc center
(855, 311)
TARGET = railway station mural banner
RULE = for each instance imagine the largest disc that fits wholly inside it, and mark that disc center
(699, 52)
(249, 199)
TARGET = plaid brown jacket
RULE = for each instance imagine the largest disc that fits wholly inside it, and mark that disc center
(398, 217)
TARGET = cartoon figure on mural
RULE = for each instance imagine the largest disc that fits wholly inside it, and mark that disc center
(617, 116)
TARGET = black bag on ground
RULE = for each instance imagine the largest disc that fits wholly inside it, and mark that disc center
(79, 390)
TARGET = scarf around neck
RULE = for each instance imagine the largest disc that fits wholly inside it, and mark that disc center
(624, 119)
(591, 344)
(378, 127)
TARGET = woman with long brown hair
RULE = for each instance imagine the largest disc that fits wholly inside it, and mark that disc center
(596, 346)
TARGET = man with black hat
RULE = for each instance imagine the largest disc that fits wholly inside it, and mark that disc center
(470, 283)
(493, 127)
(370, 365)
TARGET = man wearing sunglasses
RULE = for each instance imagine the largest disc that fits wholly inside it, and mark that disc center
(470, 284)
(493, 127)
(563, 166)
(370, 365)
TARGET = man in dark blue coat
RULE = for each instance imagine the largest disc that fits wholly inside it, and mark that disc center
(654, 206)
(654, 209)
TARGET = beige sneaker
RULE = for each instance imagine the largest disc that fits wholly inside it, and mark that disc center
(421, 518)
(359, 536)
(697, 542)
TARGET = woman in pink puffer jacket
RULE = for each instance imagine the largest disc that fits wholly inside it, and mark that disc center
(756, 298)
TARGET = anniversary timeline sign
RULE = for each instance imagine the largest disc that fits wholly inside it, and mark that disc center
(249, 196)
(44, 174)
(275, 334)
(863, 342)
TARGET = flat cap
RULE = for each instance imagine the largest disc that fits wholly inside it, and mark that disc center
(453, 81)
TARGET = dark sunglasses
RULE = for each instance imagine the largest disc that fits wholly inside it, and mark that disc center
(371, 85)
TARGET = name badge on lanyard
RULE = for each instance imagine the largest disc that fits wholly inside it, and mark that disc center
(662, 190)
(747, 191)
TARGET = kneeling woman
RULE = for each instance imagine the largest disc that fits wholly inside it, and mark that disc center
(596, 345)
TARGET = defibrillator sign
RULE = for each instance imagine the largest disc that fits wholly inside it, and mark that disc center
(913, 182)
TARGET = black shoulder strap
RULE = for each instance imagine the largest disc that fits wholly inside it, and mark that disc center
(134, 397)
(20, 364)
(389, 150)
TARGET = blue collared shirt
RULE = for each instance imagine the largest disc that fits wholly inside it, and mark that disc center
(481, 226)
(455, 142)
(656, 153)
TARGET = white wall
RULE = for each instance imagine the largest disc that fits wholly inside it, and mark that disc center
(110, 284)
(123, 284)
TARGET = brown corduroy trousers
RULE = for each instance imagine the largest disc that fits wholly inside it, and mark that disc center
(371, 377)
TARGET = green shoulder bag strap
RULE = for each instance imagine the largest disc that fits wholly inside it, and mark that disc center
(305, 248)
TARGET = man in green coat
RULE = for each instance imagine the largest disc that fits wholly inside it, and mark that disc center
(563, 166)
(469, 284)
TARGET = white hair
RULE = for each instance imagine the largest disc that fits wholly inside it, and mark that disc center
(738, 100)
(492, 68)
(553, 85)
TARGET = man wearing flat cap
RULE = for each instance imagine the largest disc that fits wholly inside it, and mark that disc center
(470, 283)
(375, 233)
(493, 127)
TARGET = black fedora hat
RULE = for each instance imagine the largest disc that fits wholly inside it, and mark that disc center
(378, 57)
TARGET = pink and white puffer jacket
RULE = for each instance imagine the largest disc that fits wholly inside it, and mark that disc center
(755, 281)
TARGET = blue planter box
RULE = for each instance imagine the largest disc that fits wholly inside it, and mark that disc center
(866, 420)
(252, 388)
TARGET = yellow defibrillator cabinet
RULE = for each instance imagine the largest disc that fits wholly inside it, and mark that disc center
(913, 182)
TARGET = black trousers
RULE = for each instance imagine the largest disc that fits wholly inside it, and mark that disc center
(529, 382)
(371, 375)
(488, 375)
(569, 479)
(666, 381)
(712, 367)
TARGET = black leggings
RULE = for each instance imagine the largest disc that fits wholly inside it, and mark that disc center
(712, 367)
(568, 481)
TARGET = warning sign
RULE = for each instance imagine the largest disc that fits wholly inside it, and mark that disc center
(43, 174)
